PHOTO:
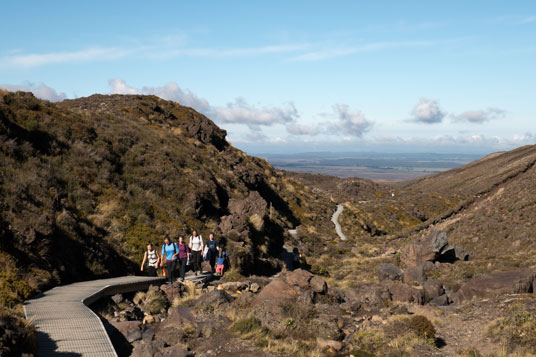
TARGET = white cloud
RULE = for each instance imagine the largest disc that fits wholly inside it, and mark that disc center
(119, 86)
(480, 116)
(172, 91)
(41, 91)
(41, 59)
(150, 50)
(427, 111)
(241, 112)
(349, 122)
(331, 52)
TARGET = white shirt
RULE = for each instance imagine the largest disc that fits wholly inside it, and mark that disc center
(196, 243)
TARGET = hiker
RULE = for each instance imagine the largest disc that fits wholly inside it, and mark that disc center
(196, 248)
(295, 258)
(184, 256)
(152, 258)
(221, 260)
(170, 251)
(212, 251)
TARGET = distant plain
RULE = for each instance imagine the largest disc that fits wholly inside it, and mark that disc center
(374, 166)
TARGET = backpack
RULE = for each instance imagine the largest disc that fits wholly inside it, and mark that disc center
(175, 248)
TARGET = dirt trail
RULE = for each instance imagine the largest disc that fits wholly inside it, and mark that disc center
(335, 220)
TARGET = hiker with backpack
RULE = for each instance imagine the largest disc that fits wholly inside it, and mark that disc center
(196, 248)
(184, 256)
(152, 258)
(170, 251)
(221, 260)
(212, 251)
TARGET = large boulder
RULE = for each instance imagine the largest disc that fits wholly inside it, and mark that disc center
(172, 291)
(406, 293)
(389, 271)
(214, 299)
(414, 275)
(277, 290)
(433, 289)
(180, 316)
(179, 324)
(129, 329)
(510, 282)
(433, 247)
(441, 300)
(461, 252)
(267, 305)
(299, 278)
(318, 285)
(366, 298)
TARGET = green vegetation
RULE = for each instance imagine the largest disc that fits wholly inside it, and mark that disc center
(247, 326)
(17, 336)
(402, 336)
(516, 332)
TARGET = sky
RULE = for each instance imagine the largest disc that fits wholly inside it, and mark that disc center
(296, 76)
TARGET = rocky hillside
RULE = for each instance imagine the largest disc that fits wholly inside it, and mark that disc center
(497, 221)
(86, 183)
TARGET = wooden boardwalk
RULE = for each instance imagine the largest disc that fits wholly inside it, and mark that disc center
(67, 327)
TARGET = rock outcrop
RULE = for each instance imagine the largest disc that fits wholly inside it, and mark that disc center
(389, 271)
(488, 285)
(432, 247)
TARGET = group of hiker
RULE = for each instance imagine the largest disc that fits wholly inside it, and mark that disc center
(179, 255)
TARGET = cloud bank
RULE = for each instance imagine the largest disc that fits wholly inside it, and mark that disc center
(41, 91)
(237, 112)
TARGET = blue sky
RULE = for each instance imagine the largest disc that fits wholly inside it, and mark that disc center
(294, 76)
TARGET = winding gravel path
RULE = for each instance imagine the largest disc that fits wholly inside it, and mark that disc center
(335, 220)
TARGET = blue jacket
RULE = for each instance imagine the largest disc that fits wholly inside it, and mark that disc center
(221, 258)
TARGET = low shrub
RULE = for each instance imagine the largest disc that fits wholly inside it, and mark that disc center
(421, 326)
(155, 302)
(246, 326)
(17, 336)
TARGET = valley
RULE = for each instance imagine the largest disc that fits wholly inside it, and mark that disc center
(437, 265)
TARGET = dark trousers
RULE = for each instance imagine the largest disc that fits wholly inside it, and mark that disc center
(170, 267)
(212, 261)
(196, 260)
(182, 267)
(151, 271)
